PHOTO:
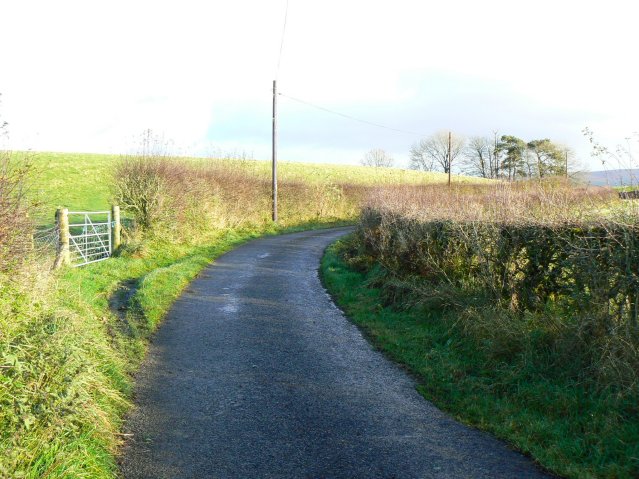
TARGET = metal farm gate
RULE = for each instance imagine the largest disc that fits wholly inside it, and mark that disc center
(89, 237)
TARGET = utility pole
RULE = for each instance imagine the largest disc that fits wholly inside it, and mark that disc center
(274, 156)
(566, 158)
(449, 158)
(495, 156)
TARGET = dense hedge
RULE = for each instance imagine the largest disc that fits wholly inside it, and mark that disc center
(171, 194)
(582, 280)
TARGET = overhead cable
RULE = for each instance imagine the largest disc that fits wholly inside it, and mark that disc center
(279, 58)
(343, 115)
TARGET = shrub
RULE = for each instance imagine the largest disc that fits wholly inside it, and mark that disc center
(15, 223)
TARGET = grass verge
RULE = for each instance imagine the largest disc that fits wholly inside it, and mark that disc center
(569, 429)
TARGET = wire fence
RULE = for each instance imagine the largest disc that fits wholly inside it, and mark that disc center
(45, 242)
(46, 239)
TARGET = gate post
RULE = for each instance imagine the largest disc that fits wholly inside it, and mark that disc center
(117, 227)
(63, 256)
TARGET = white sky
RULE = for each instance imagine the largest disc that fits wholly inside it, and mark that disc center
(91, 76)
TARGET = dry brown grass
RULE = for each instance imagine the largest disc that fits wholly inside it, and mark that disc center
(521, 202)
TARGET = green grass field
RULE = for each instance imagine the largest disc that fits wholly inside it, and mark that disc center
(75, 180)
(358, 175)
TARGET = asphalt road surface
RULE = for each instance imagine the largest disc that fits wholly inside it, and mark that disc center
(256, 374)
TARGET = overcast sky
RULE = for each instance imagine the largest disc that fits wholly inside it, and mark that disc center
(91, 76)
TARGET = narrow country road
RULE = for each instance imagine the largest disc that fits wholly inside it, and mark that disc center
(256, 374)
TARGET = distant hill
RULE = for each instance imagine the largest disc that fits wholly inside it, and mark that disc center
(623, 177)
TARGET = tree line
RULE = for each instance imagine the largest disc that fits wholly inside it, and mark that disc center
(506, 156)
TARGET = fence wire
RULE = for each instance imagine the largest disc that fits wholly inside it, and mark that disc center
(46, 239)
(45, 245)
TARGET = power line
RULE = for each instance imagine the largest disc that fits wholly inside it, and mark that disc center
(279, 58)
(349, 116)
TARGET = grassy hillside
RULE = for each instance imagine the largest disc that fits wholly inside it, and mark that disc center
(82, 181)
(358, 175)
(75, 180)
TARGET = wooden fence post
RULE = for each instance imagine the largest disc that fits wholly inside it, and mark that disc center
(63, 256)
(117, 227)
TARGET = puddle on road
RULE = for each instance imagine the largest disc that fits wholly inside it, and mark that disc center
(230, 308)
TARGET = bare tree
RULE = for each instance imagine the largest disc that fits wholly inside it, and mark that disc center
(573, 167)
(419, 159)
(377, 157)
(432, 153)
(480, 157)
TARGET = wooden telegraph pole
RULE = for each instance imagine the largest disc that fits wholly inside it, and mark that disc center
(449, 158)
(274, 156)
(566, 158)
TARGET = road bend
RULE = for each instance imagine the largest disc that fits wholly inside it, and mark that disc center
(256, 374)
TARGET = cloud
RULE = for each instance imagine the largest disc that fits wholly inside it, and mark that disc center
(84, 76)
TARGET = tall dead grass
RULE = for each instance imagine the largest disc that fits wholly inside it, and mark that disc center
(552, 201)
